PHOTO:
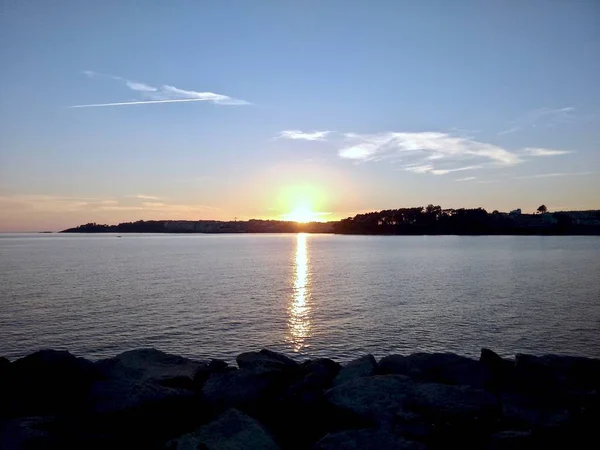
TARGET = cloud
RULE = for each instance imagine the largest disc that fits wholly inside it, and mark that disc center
(415, 168)
(550, 116)
(424, 145)
(302, 135)
(458, 169)
(144, 197)
(163, 94)
(536, 151)
(465, 179)
(555, 174)
(140, 87)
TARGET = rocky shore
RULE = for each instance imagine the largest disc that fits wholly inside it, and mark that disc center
(150, 399)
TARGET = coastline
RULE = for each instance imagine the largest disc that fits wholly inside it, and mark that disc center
(151, 399)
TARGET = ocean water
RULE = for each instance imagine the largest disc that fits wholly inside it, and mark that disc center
(215, 296)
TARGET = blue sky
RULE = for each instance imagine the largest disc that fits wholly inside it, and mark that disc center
(339, 106)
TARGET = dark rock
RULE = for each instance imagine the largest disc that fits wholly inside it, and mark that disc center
(453, 403)
(375, 399)
(500, 370)
(510, 440)
(367, 439)
(27, 433)
(446, 368)
(48, 382)
(525, 412)
(232, 430)
(116, 395)
(149, 365)
(265, 359)
(361, 367)
(4, 365)
(214, 366)
(246, 389)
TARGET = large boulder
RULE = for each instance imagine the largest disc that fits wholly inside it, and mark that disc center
(265, 359)
(27, 433)
(510, 440)
(314, 378)
(48, 382)
(444, 403)
(149, 365)
(375, 399)
(500, 371)
(248, 389)
(446, 368)
(233, 430)
(367, 439)
(361, 367)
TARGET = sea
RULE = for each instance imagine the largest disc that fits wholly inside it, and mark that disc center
(306, 295)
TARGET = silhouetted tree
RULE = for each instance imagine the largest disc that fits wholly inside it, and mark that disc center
(542, 209)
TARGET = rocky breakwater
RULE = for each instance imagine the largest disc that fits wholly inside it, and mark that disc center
(150, 399)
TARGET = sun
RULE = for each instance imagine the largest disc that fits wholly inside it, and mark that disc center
(302, 214)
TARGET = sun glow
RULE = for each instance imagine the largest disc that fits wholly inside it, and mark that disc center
(302, 214)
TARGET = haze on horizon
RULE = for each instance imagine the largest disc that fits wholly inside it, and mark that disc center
(117, 111)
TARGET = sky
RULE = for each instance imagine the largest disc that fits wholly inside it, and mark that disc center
(120, 110)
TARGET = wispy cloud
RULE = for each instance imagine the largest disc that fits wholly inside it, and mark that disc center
(536, 151)
(162, 94)
(303, 135)
(548, 116)
(144, 197)
(555, 174)
(466, 179)
(424, 145)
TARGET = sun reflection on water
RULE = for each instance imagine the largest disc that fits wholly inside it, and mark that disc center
(299, 309)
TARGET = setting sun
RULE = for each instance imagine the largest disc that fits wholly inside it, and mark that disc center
(302, 215)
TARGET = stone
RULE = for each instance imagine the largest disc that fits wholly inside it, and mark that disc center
(510, 440)
(367, 439)
(48, 382)
(453, 403)
(361, 367)
(500, 370)
(120, 395)
(149, 365)
(524, 412)
(374, 399)
(233, 430)
(265, 359)
(446, 368)
(26, 433)
(243, 388)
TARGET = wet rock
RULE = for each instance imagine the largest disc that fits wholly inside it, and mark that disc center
(367, 439)
(361, 367)
(233, 430)
(149, 365)
(265, 359)
(446, 368)
(453, 403)
(48, 382)
(510, 440)
(375, 399)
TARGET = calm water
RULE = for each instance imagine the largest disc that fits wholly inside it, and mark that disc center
(307, 295)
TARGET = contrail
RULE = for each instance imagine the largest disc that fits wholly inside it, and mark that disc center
(145, 102)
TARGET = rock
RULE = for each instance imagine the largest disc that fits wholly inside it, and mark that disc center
(214, 366)
(247, 389)
(27, 433)
(446, 368)
(265, 359)
(315, 377)
(510, 440)
(440, 402)
(121, 395)
(153, 366)
(367, 439)
(525, 412)
(375, 399)
(233, 430)
(361, 367)
(4, 365)
(48, 382)
(500, 371)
